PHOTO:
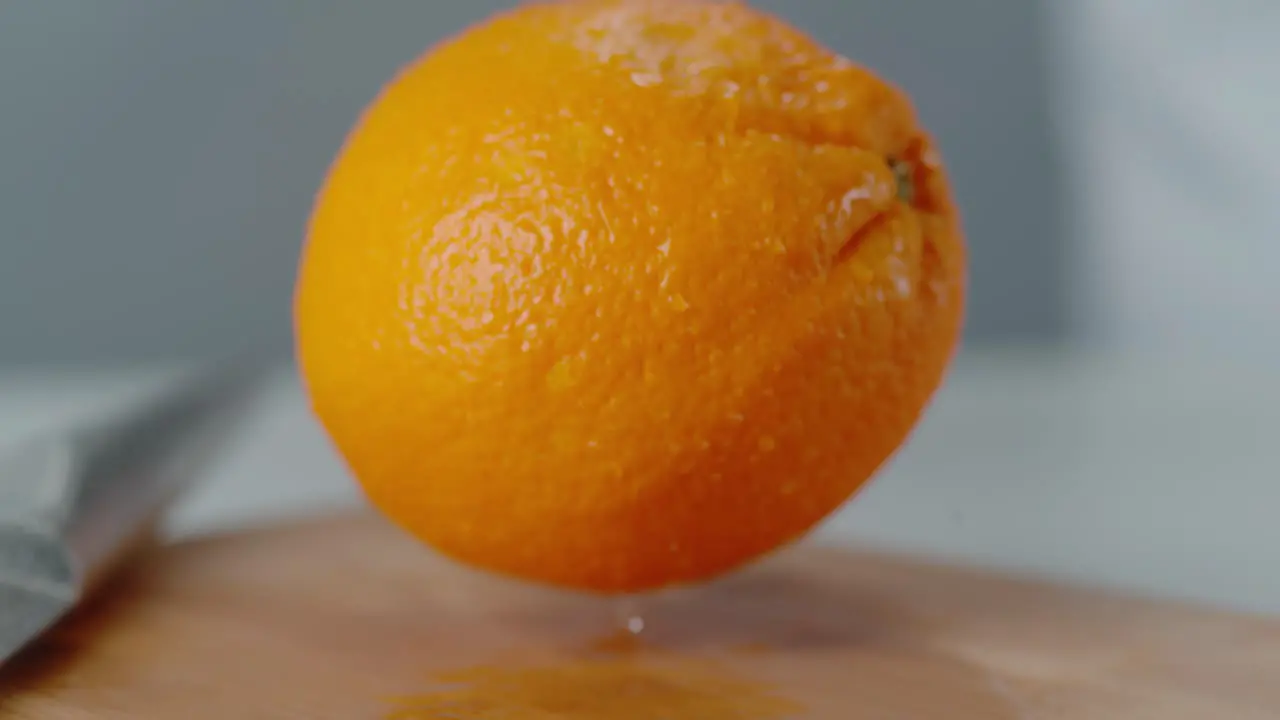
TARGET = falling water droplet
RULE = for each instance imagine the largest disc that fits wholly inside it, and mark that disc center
(626, 626)
(628, 615)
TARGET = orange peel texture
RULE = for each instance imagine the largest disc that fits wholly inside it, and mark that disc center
(620, 295)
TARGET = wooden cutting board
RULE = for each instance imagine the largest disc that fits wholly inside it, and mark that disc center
(345, 618)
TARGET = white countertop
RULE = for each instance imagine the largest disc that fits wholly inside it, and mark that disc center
(1160, 477)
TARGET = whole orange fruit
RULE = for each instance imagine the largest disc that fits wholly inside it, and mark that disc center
(617, 295)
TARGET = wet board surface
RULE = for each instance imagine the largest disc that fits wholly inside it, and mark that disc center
(346, 618)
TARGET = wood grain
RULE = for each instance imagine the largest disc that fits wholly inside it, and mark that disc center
(345, 618)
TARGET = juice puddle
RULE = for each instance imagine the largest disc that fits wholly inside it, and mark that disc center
(773, 644)
(613, 688)
(617, 677)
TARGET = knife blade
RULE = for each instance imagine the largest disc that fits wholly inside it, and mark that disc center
(75, 503)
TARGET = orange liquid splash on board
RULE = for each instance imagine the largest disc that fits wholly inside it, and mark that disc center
(617, 688)
(618, 679)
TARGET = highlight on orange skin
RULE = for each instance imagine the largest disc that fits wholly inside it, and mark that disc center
(617, 295)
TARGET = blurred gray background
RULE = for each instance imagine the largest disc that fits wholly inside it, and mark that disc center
(158, 160)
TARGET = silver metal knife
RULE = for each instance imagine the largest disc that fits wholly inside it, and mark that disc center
(74, 504)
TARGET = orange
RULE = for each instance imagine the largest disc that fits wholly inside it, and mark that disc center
(620, 295)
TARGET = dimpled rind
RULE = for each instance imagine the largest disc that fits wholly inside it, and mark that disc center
(620, 295)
